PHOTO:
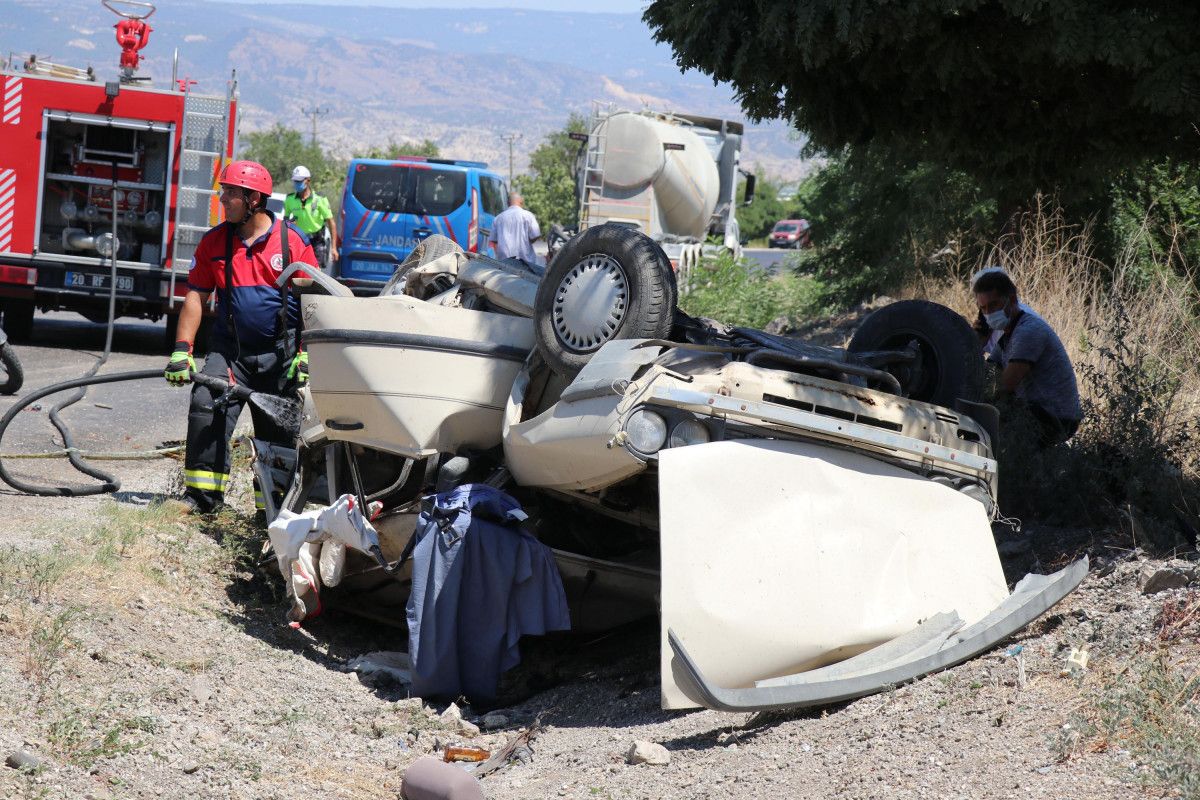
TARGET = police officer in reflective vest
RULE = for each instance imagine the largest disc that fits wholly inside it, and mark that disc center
(312, 214)
(255, 339)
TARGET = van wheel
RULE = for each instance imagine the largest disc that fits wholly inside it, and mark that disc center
(949, 363)
(609, 282)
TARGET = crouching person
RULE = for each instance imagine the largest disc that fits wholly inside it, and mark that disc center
(1036, 372)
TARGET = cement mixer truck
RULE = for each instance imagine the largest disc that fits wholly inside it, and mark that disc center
(672, 176)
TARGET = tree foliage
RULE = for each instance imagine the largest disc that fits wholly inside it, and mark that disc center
(1022, 95)
(757, 219)
(877, 215)
(1154, 212)
(280, 149)
(426, 147)
(549, 189)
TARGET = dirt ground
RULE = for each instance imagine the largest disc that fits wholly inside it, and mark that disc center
(144, 656)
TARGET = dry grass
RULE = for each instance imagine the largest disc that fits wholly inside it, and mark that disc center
(1057, 276)
(1150, 707)
(132, 556)
(1133, 333)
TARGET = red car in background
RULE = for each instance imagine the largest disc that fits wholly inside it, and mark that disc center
(793, 233)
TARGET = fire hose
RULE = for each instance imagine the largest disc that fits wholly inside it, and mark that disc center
(225, 391)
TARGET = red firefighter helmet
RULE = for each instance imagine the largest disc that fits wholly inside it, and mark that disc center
(249, 175)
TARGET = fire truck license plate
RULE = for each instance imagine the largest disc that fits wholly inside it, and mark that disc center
(82, 280)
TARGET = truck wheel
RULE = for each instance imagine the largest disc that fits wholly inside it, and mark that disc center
(14, 375)
(609, 282)
(949, 364)
(18, 319)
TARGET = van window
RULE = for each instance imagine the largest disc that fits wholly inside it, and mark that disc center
(492, 191)
(379, 188)
(438, 192)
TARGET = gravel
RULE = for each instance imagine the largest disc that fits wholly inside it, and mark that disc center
(178, 677)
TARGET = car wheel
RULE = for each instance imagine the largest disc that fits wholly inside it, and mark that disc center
(609, 282)
(949, 364)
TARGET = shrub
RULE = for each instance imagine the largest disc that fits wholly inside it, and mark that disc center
(739, 293)
(1134, 338)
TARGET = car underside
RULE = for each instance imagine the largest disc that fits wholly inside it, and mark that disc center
(674, 465)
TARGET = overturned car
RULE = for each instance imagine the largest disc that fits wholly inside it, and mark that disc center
(811, 524)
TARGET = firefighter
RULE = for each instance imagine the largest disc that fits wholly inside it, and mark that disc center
(254, 339)
(312, 214)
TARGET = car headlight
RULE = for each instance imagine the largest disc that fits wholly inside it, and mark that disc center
(647, 431)
(689, 431)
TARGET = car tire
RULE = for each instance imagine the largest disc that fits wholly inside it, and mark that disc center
(609, 282)
(14, 375)
(18, 319)
(949, 365)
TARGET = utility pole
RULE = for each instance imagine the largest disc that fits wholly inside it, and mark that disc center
(510, 138)
(314, 113)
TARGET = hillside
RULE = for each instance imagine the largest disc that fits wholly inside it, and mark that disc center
(461, 77)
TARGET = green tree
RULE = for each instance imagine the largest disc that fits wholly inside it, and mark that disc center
(757, 219)
(426, 147)
(876, 215)
(280, 149)
(549, 188)
(1057, 95)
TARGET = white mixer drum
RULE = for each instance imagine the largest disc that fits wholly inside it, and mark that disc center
(647, 153)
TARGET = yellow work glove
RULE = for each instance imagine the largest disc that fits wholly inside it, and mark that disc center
(299, 368)
(181, 366)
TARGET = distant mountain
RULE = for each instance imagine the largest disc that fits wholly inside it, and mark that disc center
(462, 77)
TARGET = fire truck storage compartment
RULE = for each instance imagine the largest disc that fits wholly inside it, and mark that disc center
(80, 159)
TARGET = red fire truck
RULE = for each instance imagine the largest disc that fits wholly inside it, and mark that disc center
(92, 170)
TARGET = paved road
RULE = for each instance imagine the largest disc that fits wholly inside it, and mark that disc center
(140, 414)
(769, 259)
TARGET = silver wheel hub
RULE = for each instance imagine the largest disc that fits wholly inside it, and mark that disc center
(590, 303)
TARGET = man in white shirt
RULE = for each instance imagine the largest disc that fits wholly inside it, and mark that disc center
(514, 231)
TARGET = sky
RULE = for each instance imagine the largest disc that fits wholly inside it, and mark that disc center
(609, 6)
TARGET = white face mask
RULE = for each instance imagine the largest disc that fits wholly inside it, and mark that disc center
(997, 320)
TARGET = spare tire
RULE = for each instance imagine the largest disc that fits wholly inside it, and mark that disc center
(949, 363)
(609, 282)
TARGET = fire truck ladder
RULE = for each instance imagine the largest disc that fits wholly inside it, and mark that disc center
(201, 155)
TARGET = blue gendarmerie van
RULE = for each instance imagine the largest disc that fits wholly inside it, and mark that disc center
(390, 205)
